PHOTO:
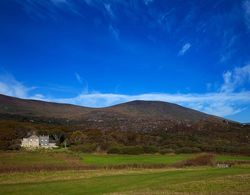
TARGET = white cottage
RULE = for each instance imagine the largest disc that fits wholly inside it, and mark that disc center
(30, 142)
(35, 142)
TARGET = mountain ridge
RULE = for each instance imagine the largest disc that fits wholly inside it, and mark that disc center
(136, 108)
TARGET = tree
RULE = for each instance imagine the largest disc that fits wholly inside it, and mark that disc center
(77, 137)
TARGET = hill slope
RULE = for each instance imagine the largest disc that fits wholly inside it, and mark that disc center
(159, 110)
(135, 109)
(16, 106)
(137, 123)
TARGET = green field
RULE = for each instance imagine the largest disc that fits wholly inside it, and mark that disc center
(143, 181)
(43, 160)
(67, 158)
(105, 160)
(232, 158)
(105, 179)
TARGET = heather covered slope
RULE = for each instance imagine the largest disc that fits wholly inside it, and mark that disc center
(34, 108)
(159, 110)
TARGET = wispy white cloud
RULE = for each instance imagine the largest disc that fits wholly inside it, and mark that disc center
(246, 8)
(147, 2)
(228, 46)
(10, 86)
(234, 79)
(225, 102)
(221, 104)
(184, 49)
(109, 10)
(88, 2)
(114, 32)
(78, 78)
(48, 8)
(59, 1)
(83, 82)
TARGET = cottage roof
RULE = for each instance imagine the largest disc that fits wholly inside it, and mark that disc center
(33, 137)
(44, 137)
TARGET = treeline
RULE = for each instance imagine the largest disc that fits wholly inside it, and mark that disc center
(78, 138)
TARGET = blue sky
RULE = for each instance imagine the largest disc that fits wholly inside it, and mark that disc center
(99, 53)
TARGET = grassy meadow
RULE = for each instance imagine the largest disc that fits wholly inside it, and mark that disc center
(147, 159)
(142, 181)
(226, 158)
(80, 173)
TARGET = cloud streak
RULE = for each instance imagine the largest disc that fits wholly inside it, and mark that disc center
(114, 32)
(246, 8)
(225, 102)
(147, 2)
(78, 78)
(109, 10)
(48, 8)
(184, 49)
(221, 104)
(234, 79)
(10, 86)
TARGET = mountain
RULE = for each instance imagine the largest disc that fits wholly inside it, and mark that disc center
(35, 108)
(136, 109)
(159, 110)
(137, 123)
(134, 116)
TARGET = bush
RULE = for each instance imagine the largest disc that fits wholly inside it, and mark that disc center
(14, 147)
(188, 150)
(114, 151)
(150, 149)
(201, 160)
(132, 150)
(127, 150)
(166, 151)
(84, 148)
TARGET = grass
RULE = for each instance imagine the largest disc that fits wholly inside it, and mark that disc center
(56, 159)
(196, 180)
(25, 160)
(210, 180)
(225, 158)
(28, 158)
(105, 160)
(50, 158)
(38, 160)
